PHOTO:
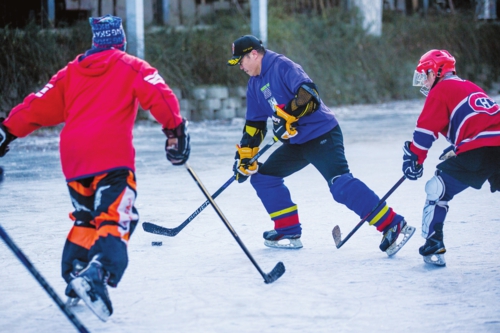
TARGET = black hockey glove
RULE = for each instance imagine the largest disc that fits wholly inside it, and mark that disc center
(411, 168)
(177, 146)
(242, 168)
(283, 124)
(5, 138)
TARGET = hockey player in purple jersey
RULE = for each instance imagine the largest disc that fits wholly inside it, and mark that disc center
(470, 120)
(279, 89)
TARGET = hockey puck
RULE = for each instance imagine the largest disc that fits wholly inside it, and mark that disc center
(156, 243)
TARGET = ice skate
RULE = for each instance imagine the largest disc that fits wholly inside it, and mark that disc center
(281, 241)
(73, 298)
(433, 252)
(389, 242)
(90, 286)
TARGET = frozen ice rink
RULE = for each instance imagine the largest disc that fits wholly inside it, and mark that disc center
(201, 280)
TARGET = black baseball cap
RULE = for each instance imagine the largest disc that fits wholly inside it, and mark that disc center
(243, 45)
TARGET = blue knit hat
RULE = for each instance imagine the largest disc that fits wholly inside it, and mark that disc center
(107, 33)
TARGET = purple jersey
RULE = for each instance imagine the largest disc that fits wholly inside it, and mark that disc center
(279, 80)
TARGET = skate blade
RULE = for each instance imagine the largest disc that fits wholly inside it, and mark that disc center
(435, 259)
(407, 232)
(81, 286)
(292, 244)
(72, 301)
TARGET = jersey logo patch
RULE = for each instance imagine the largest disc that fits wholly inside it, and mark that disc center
(266, 90)
(480, 102)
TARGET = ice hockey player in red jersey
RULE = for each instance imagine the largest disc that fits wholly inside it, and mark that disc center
(96, 96)
(470, 120)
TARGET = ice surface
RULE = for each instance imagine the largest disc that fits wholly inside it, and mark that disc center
(201, 281)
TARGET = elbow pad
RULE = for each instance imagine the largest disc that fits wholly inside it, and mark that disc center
(306, 101)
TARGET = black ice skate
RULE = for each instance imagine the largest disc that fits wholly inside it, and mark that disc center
(433, 252)
(281, 241)
(389, 242)
(90, 286)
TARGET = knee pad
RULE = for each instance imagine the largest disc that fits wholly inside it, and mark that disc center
(340, 186)
(435, 209)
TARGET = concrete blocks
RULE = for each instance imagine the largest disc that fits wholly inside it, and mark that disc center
(211, 103)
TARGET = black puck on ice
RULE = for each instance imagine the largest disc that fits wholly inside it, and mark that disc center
(156, 243)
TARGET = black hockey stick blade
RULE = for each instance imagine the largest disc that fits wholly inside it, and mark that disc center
(158, 230)
(275, 274)
(171, 232)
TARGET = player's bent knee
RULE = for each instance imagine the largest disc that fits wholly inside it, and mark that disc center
(434, 188)
(338, 186)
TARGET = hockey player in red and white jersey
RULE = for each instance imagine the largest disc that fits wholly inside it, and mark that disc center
(96, 96)
(470, 120)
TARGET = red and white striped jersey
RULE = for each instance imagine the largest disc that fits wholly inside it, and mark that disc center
(462, 112)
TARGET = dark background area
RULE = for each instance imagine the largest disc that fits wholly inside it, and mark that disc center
(349, 65)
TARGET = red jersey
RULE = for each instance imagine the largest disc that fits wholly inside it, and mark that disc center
(461, 112)
(97, 98)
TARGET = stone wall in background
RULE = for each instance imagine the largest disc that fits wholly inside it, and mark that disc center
(212, 102)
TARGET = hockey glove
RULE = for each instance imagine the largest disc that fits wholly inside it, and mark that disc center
(5, 138)
(242, 169)
(177, 146)
(411, 168)
(283, 124)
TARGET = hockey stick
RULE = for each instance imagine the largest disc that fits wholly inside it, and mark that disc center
(336, 230)
(25, 261)
(277, 271)
(159, 230)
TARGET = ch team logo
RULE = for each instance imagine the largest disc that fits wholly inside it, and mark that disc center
(481, 103)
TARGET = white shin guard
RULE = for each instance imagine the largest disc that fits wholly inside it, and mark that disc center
(435, 189)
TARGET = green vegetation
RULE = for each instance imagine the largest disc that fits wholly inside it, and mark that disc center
(347, 65)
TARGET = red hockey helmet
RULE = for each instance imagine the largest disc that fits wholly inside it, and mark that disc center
(439, 61)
